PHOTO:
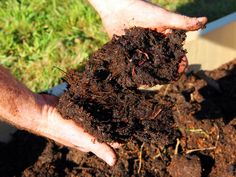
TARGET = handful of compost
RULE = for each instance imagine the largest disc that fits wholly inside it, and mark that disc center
(105, 100)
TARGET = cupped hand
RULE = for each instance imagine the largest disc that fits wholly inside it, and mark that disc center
(67, 132)
(143, 14)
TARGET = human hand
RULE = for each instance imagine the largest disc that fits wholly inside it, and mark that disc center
(118, 15)
(67, 132)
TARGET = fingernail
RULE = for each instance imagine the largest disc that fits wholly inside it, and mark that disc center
(168, 31)
(202, 20)
(111, 160)
(115, 145)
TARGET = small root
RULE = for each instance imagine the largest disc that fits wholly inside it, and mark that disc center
(200, 149)
(198, 130)
(140, 158)
(166, 89)
(133, 72)
(177, 146)
(158, 155)
(155, 114)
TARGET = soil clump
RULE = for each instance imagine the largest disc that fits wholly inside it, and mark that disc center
(105, 100)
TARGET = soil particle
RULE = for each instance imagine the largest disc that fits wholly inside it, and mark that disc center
(185, 166)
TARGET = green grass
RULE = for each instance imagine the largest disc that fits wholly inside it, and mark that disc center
(39, 36)
(36, 36)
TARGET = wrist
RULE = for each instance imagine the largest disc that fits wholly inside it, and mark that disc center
(27, 112)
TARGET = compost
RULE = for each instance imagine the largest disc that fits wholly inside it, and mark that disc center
(196, 132)
(105, 100)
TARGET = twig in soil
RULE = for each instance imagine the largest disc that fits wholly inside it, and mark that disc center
(147, 88)
(199, 130)
(177, 146)
(133, 71)
(192, 99)
(177, 118)
(200, 149)
(218, 135)
(155, 114)
(166, 90)
(140, 158)
(205, 134)
(158, 155)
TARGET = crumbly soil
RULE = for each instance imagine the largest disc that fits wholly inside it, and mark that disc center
(105, 100)
(204, 115)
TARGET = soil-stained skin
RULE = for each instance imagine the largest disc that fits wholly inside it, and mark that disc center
(104, 99)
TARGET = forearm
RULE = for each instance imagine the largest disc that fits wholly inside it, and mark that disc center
(17, 102)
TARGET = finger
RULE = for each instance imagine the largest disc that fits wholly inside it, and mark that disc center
(67, 132)
(183, 65)
(103, 151)
(186, 23)
(86, 142)
(90, 143)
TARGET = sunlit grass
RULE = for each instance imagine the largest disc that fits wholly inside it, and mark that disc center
(37, 35)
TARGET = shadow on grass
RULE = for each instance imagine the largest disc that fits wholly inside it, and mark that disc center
(212, 9)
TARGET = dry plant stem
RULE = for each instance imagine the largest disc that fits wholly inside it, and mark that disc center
(199, 130)
(200, 149)
(177, 146)
(166, 89)
(158, 155)
(140, 158)
(218, 135)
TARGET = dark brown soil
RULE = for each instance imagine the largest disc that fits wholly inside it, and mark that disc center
(185, 165)
(105, 100)
(205, 117)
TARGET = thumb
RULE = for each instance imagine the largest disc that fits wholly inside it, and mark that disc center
(178, 21)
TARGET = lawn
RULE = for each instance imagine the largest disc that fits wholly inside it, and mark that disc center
(39, 39)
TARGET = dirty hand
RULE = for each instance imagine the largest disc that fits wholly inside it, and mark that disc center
(37, 113)
(68, 133)
(118, 15)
